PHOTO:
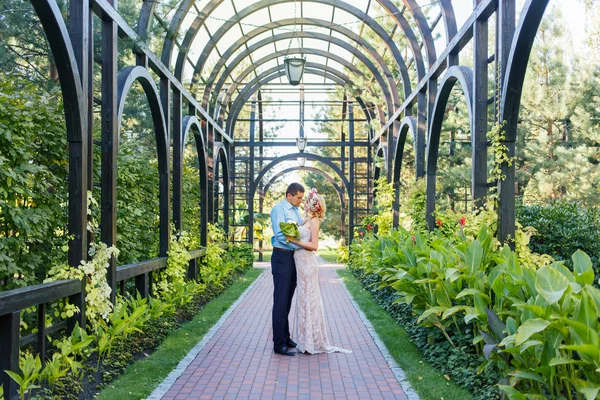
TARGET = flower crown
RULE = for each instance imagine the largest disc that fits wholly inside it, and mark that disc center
(314, 206)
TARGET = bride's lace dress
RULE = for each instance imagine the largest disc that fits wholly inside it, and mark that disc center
(310, 328)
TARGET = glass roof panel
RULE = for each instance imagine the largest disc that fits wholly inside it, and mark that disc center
(315, 44)
(199, 42)
(319, 11)
(345, 54)
(312, 58)
(360, 4)
(256, 19)
(260, 37)
(336, 65)
(218, 17)
(229, 38)
(263, 51)
(346, 19)
(241, 4)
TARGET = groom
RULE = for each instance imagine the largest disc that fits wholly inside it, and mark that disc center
(284, 268)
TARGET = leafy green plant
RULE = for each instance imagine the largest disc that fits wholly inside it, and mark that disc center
(30, 367)
(171, 278)
(33, 169)
(534, 323)
(561, 227)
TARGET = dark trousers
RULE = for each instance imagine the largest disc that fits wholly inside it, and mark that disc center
(284, 282)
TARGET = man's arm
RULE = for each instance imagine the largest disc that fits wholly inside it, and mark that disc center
(277, 216)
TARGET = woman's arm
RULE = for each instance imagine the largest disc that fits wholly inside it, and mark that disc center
(313, 244)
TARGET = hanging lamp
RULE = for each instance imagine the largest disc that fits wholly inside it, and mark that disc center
(294, 66)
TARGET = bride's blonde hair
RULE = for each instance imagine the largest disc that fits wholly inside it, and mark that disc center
(314, 205)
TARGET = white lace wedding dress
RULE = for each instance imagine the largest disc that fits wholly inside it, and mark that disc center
(310, 329)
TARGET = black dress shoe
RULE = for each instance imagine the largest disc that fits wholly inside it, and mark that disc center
(291, 344)
(284, 351)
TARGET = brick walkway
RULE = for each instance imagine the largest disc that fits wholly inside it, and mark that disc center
(238, 361)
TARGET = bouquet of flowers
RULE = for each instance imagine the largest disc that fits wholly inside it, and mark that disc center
(290, 228)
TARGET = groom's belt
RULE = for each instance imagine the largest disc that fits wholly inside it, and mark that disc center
(280, 249)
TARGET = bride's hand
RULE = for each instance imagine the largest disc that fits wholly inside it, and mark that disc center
(291, 239)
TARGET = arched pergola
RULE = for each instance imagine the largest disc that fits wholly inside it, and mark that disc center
(245, 68)
(220, 75)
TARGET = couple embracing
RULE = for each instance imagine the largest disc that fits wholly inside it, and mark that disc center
(294, 264)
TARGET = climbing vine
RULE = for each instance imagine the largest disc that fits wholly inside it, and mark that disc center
(97, 299)
(171, 278)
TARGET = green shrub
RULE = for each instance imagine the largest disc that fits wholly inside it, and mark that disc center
(562, 228)
(33, 193)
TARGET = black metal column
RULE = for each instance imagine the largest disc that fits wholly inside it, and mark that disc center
(110, 141)
(480, 95)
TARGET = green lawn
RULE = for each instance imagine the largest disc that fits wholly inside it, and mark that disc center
(266, 255)
(429, 383)
(329, 255)
(142, 377)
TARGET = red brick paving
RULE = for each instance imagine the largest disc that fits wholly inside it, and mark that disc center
(238, 361)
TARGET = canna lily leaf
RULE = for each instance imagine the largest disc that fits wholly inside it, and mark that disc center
(582, 265)
(512, 393)
(488, 349)
(473, 256)
(588, 389)
(594, 293)
(587, 349)
(496, 325)
(528, 344)
(529, 376)
(529, 328)
(451, 311)
(471, 292)
(550, 284)
(562, 361)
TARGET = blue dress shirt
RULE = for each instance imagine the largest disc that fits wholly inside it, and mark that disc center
(282, 212)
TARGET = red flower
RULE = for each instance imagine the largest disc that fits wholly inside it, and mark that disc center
(438, 223)
(369, 226)
(414, 239)
(361, 233)
(462, 221)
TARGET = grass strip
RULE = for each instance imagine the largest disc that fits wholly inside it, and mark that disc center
(141, 377)
(429, 383)
(329, 255)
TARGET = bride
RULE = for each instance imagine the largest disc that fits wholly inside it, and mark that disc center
(310, 328)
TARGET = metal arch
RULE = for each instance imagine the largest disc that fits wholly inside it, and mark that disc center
(262, 79)
(174, 28)
(220, 158)
(258, 63)
(292, 156)
(127, 77)
(312, 35)
(380, 152)
(422, 24)
(463, 75)
(518, 59)
(341, 30)
(510, 101)
(145, 18)
(76, 123)
(70, 80)
(449, 19)
(325, 175)
(359, 55)
(190, 121)
(407, 124)
(186, 5)
(326, 68)
(223, 29)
